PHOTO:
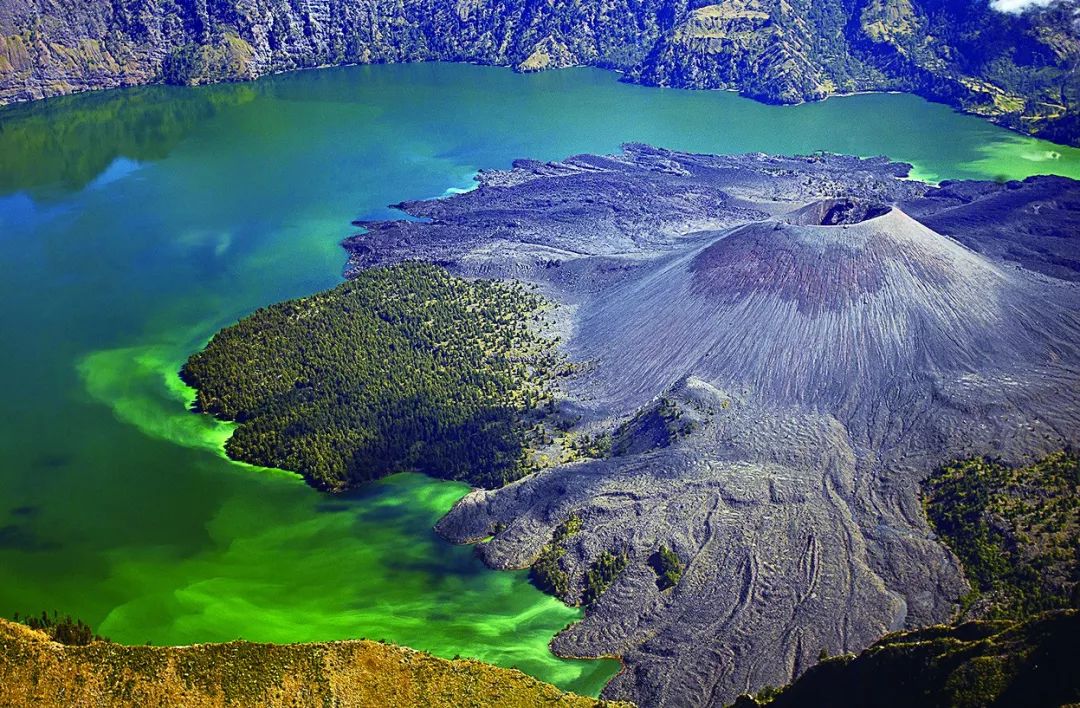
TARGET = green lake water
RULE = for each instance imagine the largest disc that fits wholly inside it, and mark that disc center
(135, 223)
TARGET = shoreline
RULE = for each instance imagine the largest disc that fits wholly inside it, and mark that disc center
(622, 74)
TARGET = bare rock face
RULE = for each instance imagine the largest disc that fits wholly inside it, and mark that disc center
(1032, 223)
(827, 351)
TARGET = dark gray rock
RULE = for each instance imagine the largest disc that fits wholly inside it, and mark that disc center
(1032, 222)
(830, 350)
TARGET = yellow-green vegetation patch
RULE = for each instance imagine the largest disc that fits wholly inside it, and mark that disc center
(229, 58)
(1016, 530)
(981, 680)
(889, 20)
(405, 368)
(35, 671)
(14, 54)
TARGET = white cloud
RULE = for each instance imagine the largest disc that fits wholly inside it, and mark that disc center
(1016, 6)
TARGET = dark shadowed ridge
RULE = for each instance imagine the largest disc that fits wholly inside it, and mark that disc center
(997, 664)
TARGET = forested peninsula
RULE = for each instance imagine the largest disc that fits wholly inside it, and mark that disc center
(404, 368)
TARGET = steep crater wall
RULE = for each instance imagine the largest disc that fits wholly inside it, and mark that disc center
(1017, 70)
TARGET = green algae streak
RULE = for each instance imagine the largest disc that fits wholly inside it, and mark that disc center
(135, 223)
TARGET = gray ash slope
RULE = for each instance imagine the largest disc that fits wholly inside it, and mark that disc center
(825, 351)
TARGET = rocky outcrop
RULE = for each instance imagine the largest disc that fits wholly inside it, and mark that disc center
(1018, 70)
(742, 45)
(817, 351)
(549, 53)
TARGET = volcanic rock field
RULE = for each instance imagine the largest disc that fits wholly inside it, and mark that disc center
(828, 330)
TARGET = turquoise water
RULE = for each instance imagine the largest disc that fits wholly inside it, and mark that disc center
(135, 223)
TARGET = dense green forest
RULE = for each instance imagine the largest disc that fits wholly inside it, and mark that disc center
(602, 573)
(405, 368)
(1016, 531)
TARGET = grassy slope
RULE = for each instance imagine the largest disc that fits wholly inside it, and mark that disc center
(37, 671)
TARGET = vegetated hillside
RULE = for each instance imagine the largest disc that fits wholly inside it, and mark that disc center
(35, 671)
(1016, 70)
(1019, 70)
(401, 369)
(1003, 663)
(1016, 531)
(779, 354)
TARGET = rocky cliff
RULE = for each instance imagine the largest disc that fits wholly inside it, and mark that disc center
(1018, 70)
